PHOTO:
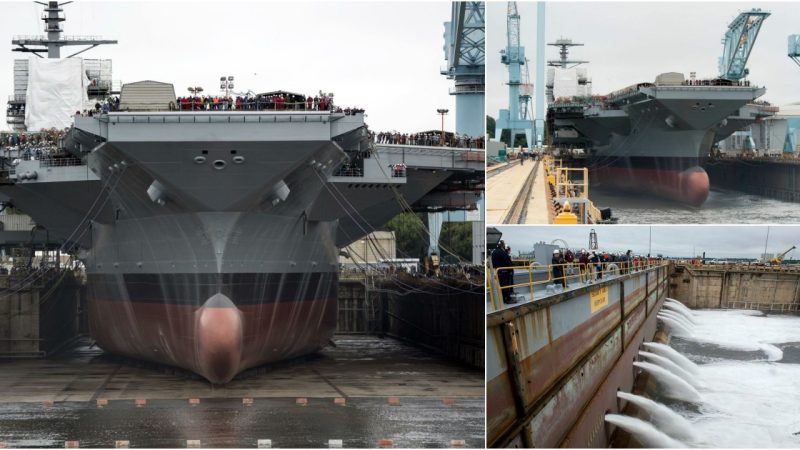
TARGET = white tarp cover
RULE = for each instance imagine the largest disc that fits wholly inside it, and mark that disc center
(56, 90)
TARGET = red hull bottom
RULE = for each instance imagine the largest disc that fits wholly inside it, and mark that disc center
(690, 186)
(217, 340)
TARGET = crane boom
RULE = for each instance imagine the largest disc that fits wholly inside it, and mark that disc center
(738, 42)
(794, 48)
(779, 258)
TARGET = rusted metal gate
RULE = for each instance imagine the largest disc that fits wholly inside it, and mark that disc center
(554, 365)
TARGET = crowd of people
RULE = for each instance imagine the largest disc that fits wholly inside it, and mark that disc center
(586, 266)
(430, 139)
(277, 101)
(30, 145)
(593, 264)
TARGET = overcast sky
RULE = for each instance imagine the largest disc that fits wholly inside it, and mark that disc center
(632, 42)
(718, 241)
(383, 57)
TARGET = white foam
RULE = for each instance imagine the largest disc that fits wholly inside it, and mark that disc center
(752, 404)
(745, 330)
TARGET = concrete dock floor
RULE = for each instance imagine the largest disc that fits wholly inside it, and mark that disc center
(538, 210)
(503, 188)
(439, 401)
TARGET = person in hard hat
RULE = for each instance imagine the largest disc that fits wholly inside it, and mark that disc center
(558, 268)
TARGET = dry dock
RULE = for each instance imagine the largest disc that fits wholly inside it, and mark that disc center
(48, 402)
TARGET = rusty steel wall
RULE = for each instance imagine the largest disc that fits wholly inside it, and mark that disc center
(554, 365)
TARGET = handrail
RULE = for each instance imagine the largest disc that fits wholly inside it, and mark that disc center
(586, 273)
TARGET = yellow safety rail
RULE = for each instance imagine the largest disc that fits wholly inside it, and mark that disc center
(570, 273)
(567, 186)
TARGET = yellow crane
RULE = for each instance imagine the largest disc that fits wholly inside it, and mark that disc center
(778, 259)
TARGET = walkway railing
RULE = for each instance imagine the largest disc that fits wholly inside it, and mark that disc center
(565, 275)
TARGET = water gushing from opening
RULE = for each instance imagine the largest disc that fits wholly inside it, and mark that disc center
(680, 306)
(679, 317)
(677, 327)
(646, 433)
(674, 355)
(672, 367)
(665, 419)
(677, 388)
(677, 310)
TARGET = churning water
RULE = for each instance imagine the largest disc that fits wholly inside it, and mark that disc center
(748, 367)
(722, 206)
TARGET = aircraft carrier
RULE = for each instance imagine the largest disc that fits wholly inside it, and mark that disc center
(210, 238)
(654, 136)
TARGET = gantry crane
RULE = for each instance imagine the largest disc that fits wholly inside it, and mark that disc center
(464, 51)
(516, 118)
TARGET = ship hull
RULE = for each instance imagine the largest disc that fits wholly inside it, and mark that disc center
(678, 179)
(200, 327)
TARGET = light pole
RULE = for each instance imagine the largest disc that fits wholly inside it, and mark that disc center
(226, 84)
(195, 90)
(442, 112)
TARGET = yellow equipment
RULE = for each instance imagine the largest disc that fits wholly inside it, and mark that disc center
(778, 259)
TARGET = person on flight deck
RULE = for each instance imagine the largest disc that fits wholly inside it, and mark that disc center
(558, 268)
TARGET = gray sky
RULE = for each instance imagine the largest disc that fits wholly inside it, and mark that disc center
(718, 241)
(384, 58)
(632, 42)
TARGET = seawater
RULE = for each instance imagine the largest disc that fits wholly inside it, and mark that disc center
(722, 206)
(749, 365)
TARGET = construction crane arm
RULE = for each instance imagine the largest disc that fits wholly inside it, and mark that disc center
(738, 42)
(779, 258)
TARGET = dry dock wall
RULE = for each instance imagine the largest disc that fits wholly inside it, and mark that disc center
(38, 313)
(554, 365)
(448, 320)
(775, 179)
(763, 288)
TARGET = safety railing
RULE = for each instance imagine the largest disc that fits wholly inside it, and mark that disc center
(16, 98)
(565, 275)
(60, 162)
(349, 172)
(398, 170)
(570, 186)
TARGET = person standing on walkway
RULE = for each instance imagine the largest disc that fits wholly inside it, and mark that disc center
(557, 264)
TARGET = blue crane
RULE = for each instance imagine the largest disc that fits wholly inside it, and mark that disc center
(794, 48)
(790, 145)
(738, 42)
(465, 54)
(516, 118)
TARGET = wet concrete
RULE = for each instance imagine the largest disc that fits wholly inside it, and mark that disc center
(365, 371)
